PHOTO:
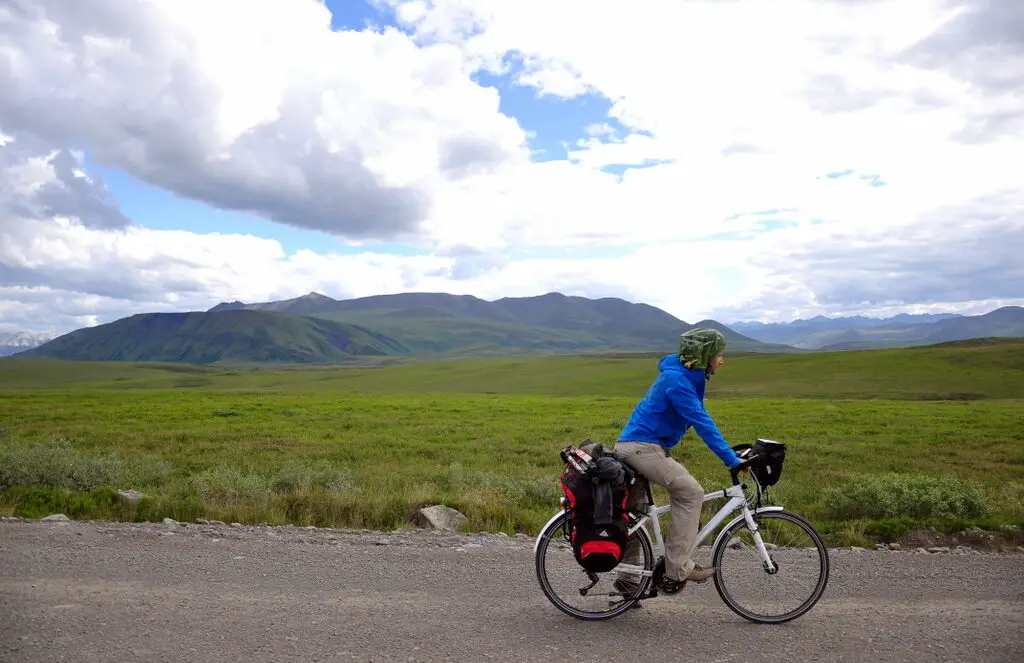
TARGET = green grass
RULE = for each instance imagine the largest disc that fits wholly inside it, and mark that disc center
(493, 457)
(368, 447)
(956, 372)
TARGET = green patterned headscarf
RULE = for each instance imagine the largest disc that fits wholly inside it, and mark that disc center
(699, 345)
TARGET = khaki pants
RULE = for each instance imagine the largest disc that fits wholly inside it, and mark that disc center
(686, 496)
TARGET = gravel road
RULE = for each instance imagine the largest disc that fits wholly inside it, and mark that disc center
(97, 591)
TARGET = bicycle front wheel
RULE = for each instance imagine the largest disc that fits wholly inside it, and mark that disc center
(754, 591)
(591, 596)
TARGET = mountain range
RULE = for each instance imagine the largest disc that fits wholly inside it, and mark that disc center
(316, 329)
(859, 332)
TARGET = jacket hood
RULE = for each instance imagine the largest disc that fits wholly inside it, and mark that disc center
(670, 363)
(695, 376)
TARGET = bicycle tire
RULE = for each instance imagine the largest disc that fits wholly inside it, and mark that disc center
(808, 603)
(546, 536)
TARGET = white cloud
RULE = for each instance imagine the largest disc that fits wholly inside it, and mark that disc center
(816, 87)
(254, 105)
(961, 258)
(744, 107)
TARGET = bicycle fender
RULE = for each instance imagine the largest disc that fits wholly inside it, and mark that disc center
(738, 518)
(536, 544)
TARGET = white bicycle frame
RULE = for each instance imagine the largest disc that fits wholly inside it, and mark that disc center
(737, 500)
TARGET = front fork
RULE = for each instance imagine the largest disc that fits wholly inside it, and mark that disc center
(768, 562)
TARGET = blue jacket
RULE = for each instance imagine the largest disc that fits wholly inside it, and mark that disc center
(674, 403)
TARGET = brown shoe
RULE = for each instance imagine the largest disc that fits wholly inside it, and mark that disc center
(699, 574)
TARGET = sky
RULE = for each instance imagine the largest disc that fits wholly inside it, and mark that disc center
(736, 160)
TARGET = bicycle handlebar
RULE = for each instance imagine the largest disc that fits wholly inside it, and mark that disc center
(735, 471)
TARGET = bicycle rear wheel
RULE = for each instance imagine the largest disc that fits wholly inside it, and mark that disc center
(583, 595)
(750, 589)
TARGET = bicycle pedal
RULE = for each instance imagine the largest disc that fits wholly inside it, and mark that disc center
(672, 587)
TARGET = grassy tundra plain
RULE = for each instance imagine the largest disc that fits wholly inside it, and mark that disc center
(880, 441)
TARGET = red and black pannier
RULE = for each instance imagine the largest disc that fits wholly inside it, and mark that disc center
(597, 492)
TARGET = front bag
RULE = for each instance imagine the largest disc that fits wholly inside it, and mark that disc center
(768, 467)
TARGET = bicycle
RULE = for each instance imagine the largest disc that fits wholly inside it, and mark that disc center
(755, 521)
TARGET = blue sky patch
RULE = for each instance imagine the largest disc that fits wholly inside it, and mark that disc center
(620, 168)
(874, 180)
(775, 224)
(357, 15)
(555, 121)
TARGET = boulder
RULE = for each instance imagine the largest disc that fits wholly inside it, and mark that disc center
(440, 517)
(130, 495)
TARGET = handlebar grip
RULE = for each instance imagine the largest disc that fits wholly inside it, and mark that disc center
(735, 471)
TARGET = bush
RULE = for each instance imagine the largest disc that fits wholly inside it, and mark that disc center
(56, 464)
(230, 484)
(299, 476)
(519, 490)
(890, 529)
(38, 502)
(897, 496)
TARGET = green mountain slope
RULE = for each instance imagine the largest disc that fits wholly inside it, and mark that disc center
(1006, 322)
(227, 336)
(317, 329)
(428, 322)
(606, 315)
(439, 322)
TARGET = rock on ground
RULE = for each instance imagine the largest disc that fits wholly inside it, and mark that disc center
(440, 517)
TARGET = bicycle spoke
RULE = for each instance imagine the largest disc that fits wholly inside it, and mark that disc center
(564, 581)
(750, 590)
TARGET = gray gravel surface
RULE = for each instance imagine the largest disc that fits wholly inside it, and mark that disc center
(96, 591)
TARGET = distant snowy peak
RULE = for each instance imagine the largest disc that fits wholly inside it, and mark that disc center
(25, 339)
(12, 343)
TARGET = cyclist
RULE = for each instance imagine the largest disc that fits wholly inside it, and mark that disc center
(673, 403)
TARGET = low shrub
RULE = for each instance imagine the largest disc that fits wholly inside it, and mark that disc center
(57, 464)
(38, 502)
(898, 496)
